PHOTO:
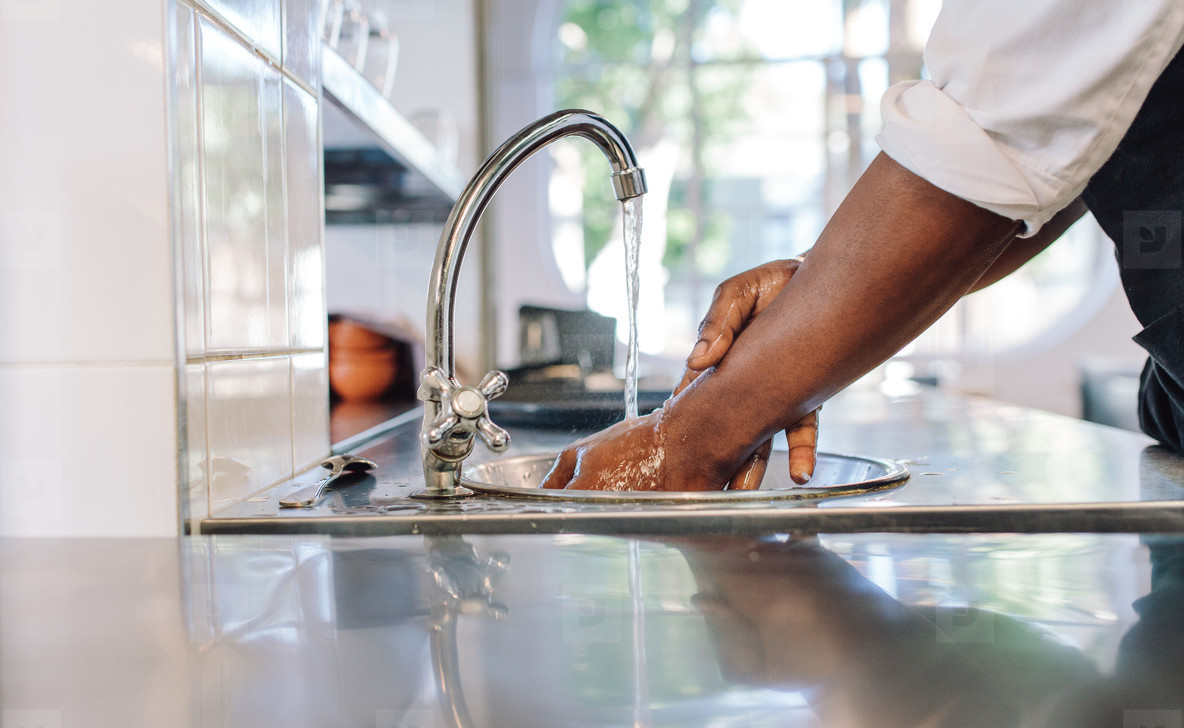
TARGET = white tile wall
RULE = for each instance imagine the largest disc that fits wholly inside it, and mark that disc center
(188, 220)
(275, 208)
(236, 201)
(87, 323)
(88, 450)
(310, 409)
(354, 274)
(258, 20)
(302, 49)
(162, 336)
(385, 268)
(195, 472)
(306, 253)
(380, 269)
(82, 199)
(259, 380)
(249, 426)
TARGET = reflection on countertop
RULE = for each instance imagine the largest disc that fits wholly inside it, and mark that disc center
(348, 419)
(835, 631)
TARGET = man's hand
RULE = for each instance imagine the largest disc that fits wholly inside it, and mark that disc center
(627, 456)
(736, 303)
(630, 455)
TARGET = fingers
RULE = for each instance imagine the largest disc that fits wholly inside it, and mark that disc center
(803, 448)
(753, 471)
(562, 471)
(736, 301)
(730, 309)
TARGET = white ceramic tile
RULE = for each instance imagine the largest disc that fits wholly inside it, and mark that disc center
(248, 425)
(354, 275)
(187, 229)
(88, 451)
(258, 20)
(271, 99)
(310, 410)
(239, 291)
(194, 452)
(406, 259)
(84, 272)
(302, 39)
(306, 255)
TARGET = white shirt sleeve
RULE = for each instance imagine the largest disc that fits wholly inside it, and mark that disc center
(1028, 98)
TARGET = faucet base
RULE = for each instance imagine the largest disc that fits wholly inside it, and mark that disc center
(439, 494)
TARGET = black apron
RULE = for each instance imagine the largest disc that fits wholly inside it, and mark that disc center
(1138, 199)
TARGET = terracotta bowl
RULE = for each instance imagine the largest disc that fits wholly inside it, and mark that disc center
(347, 334)
(362, 374)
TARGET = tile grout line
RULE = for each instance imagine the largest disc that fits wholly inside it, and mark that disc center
(201, 11)
(237, 356)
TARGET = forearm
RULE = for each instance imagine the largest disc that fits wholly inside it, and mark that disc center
(1020, 250)
(895, 256)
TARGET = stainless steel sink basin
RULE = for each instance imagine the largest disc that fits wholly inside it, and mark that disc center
(835, 475)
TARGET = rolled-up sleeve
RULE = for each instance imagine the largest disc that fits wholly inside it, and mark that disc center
(1028, 98)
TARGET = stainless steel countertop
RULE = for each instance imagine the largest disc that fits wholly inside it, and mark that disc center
(842, 631)
(976, 465)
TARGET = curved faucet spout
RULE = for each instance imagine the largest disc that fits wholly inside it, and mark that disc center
(453, 413)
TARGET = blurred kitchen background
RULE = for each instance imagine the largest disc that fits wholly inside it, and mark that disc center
(752, 119)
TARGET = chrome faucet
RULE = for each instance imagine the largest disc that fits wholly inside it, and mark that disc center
(454, 414)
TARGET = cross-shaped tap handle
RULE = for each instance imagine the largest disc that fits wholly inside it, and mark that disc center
(463, 410)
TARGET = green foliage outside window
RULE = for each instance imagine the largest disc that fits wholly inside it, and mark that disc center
(635, 63)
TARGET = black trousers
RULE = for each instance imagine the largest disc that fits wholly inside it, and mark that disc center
(1138, 199)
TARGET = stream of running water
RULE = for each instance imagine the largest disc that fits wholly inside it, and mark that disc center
(632, 214)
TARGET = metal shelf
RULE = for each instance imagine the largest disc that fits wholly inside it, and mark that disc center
(378, 166)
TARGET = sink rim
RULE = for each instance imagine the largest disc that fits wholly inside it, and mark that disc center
(893, 475)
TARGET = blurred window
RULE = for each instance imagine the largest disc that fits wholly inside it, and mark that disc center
(752, 119)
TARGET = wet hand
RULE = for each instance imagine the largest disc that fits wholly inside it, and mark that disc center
(630, 455)
(737, 301)
(634, 454)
